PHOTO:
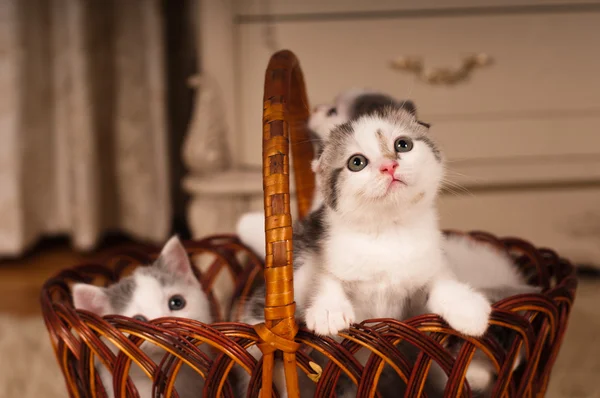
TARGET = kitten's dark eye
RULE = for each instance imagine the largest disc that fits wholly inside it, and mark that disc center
(176, 302)
(140, 318)
(332, 111)
(357, 162)
(403, 144)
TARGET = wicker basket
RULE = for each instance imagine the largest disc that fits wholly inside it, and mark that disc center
(75, 334)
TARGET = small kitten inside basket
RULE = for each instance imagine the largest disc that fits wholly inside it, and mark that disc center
(355, 256)
(166, 288)
(379, 176)
(481, 266)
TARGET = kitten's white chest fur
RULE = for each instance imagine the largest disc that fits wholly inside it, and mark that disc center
(396, 255)
(380, 268)
(377, 300)
(369, 273)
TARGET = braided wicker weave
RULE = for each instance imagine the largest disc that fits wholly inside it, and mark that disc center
(537, 320)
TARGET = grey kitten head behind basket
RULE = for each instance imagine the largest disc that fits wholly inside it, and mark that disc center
(76, 334)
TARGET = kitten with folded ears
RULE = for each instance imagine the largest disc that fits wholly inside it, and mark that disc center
(477, 264)
(166, 288)
(355, 256)
(380, 176)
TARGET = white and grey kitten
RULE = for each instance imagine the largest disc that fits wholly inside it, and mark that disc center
(166, 288)
(380, 176)
(474, 263)
(375, 242)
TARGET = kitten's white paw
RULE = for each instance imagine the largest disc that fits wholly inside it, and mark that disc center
(330, 318)
(471, 314)
(464, 309)
(479, 377)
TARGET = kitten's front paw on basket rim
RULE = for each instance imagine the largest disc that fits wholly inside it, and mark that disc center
(465, 310)
(330, 319)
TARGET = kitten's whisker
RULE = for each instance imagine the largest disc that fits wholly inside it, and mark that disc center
(453, 183)
(448, 184)
(455, 191)
(450, 190)
(474, 178)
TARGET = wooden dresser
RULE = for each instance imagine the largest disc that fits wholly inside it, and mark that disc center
(521, 128)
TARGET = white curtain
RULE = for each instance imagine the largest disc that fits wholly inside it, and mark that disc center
(83, 142)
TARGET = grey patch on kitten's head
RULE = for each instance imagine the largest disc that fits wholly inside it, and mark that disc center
(330, 167)
(434, 148)
(335, 188)
(160, 271)
(120, 294)
(375, 104)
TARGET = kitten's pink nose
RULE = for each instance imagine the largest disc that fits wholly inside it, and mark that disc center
(388, 167)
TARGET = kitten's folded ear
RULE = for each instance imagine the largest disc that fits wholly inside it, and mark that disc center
(376, 103)
(408, 106)
(91, 298)
(174, 258)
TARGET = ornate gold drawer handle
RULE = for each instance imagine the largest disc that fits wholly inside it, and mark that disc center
(441, 76)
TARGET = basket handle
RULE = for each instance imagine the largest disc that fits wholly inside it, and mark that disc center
(285, 116)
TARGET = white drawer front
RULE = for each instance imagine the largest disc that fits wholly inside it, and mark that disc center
(567, 221)
(541, 97)
(561, 138)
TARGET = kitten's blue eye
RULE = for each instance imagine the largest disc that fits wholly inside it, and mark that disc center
(403, 144)
(357, 162)
(176, 302)
(140, 318)
(332, 111)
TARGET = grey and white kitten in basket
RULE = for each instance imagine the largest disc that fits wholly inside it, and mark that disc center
(374, 219)
(166, 288)
(356, 257)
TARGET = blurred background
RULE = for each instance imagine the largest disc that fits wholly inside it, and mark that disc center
(123, 122)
